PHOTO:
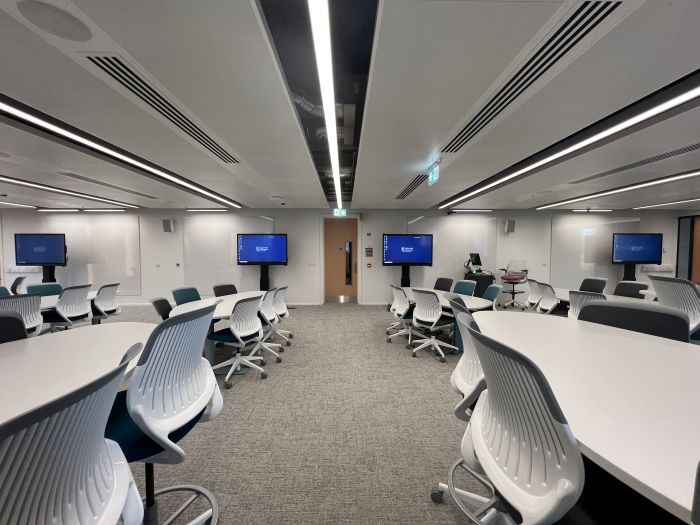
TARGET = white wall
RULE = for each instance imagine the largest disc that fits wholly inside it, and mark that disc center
(163, 256)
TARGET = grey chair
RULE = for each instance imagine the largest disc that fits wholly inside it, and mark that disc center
(642, 317)
(224, 289)
(105, 304)
(11, 327)
(443, 283)
(681, 294)
(14, 287)
(593, 284)
(162, 306)
(630, 289)
(28, 307)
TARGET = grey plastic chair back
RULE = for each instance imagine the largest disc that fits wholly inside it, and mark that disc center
(73, 302)
(281, 302)
(577, 300)
(630, 289)
(549, 300)
(642, 317)
(56, 465)
(162, 306)
(16, 284)
(267, 307)
(27, 306)
(593, 284)
(244, 319)
(224, 289)
(521, 438)
(468, 377)
(172, 383)
(427, 310)
(681, 294)
(106, 299)
(535, 295)
(11, 327)
(443, 283)
(400, 303)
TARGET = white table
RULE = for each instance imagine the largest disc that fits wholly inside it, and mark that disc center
(48, 302)
(472, 303)
(632, 400)
(223, 309)
(563, 295)
(38, 370)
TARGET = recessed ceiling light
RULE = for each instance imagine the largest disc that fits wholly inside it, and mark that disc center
(591, 211)
(53, 189)
(84, 140)
(104, 210)
(58, 210)
(463, 210)
(206, 209)
(321, 31)
(624, 189)
(5, 203)
(655, 111)
(415, 220)
(686, 201)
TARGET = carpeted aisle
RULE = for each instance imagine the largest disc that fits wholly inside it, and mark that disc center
(347, 429)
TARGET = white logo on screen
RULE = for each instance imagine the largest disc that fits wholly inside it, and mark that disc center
(261, 248)
(406, 249)
(39, 249)
(636, 248)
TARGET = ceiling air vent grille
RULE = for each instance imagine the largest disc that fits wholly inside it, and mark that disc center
(131, 80)
(420, 179)
(583, 21)
(105, 184)
(640, 163)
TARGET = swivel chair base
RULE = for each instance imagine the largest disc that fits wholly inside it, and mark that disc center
(236, 362)
(150, 516)
(433, 343)
(513, 292)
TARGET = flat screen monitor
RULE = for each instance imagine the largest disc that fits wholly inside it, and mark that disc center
(262, 248)
(407, 249)
(637, 248)
(475, 259)
(40, 249)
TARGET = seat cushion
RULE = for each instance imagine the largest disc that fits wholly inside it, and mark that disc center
(226, 336)
(136, 445)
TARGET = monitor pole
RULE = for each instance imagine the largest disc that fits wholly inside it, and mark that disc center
(48, 274)
(629, 272)
(264, 277)
(405, 275)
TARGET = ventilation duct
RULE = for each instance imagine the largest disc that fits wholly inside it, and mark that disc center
(105, 184)
(412, 186)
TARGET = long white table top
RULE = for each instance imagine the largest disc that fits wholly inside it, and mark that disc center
(49, 301)
(471, 302)
(632, 400)
(223, 309)
(563, 295)
(38, 370)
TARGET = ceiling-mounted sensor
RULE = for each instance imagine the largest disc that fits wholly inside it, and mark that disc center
(54, 20)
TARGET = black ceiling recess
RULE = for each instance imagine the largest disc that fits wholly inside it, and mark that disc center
(352, 35)
(576, 27)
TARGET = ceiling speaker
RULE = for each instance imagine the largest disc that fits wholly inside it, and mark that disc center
(168, 225)
(509, 226)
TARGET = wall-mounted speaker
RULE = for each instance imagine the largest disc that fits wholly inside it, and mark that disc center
(168, 225)
(509, 226)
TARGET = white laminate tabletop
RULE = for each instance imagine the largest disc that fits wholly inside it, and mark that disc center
(632, 400)
(40, 369)
(471, 302)
(563, 295)
(49, 301)
(223, 309)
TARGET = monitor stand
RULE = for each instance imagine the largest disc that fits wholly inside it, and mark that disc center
(629, 272)
(405, 275)
(264, 277)
(48, 274)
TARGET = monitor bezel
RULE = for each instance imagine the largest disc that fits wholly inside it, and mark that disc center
(612, 249)
(65, 249)
(432, 250)
(279, 263)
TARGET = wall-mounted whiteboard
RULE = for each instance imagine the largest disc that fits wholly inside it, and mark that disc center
(210, 250)
(101, 250)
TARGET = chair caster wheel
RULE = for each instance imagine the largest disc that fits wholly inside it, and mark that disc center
(387, 332)
(279, 359)
(263, 362)
(408, 347)
(388, 339)
(415, 355)
(436, 495)
(442, 359)
(291, 336)
(263, 375)
(281, 349)
(228, 384)
(289, 343)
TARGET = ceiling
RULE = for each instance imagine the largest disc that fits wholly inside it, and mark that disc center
(434, 65)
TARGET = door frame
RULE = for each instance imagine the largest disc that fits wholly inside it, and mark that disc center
(322, 255)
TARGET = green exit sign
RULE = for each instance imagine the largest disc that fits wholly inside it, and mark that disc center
(433, 174)
(340, 212)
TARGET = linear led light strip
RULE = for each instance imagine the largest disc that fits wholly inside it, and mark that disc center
(5, 203)
(52, 128)
(471, 211)
(203, 210)
(591, 211)
(36, 185)
(624, 189)
(686, 201)
(618, 128)
(321, 30)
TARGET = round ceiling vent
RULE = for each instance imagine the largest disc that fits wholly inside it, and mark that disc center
(54, 20)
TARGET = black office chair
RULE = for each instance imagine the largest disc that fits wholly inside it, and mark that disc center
(162, 306)
(443, 283)
(630, 289)
(593, 285)
(14, 287)
(643, 317)
(11, 327)
(224, 289)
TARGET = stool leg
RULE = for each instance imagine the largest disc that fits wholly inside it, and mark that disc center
(150, 511)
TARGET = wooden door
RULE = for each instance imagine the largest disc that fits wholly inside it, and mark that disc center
(340, 259)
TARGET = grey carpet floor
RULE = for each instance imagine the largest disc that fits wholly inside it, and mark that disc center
(347, 429)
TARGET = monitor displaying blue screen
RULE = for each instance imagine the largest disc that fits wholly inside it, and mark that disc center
(413, 250)
(40, 249)
(637, 248)
(256, 248)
